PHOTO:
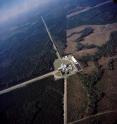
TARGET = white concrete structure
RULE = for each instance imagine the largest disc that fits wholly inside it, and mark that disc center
(74, 60)
(65, 68)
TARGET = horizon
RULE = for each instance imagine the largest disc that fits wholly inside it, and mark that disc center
(11, 9)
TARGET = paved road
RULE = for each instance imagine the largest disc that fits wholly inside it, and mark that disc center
(49, 34)
(26, 83)
(37, 78)
(87, 9)
(65, 100)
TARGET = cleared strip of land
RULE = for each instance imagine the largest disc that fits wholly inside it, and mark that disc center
(65, 100)
(49, 34)
(87, 9)
(93, 116)
(26, 83)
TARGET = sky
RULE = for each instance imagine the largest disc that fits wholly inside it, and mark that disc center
(12, 8)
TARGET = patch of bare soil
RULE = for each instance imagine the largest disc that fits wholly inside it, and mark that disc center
(77, 99)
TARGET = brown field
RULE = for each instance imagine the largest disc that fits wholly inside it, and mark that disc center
(109, 86)
(103, 61)
(77, 95)
(71, 47)
(85, 52)
(108, 103)
(99, 37)
(77, 99)
(90, 68)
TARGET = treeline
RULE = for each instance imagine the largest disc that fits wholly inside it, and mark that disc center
(108, 49)
(87, 31)
(90, 81)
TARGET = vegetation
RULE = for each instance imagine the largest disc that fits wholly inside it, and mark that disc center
(87, 31)
(81, 46)
(105, 14)
(56, 21)
(79, 3)
(95, 95)
(107, 49)
(111, 64)
(90, 81)
(73, 34)
(40, 102)
(26, 51)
